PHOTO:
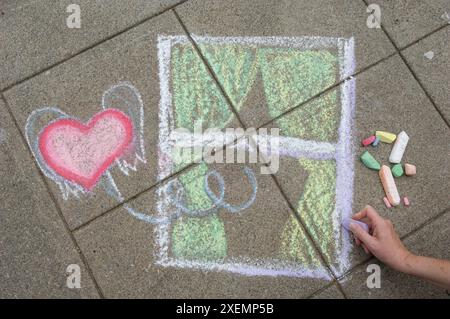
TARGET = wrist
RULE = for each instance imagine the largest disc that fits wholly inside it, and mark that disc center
(408, 264)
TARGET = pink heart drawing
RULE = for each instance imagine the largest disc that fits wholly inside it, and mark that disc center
(81, 152)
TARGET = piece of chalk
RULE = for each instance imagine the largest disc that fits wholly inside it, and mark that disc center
(369, 140)
(406, 201)
(386, 202)
(410, 169)
(385, 137)
(369, 161)
(397, 170)
(347, 221)
(376, 142)
(389, 185)
(399, 147)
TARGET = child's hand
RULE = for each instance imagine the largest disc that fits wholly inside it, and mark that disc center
(384, 242)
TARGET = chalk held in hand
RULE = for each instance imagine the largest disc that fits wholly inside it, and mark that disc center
(397, 170)
(347, 221)
(368, 141)
(389, 185)
(399, 147)
(385, 137)
(410, 170)
(369, 161)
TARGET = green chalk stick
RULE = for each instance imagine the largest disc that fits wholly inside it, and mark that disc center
(369, 161)
(397, 170)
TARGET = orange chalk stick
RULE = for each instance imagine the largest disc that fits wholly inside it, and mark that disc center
(389, 185)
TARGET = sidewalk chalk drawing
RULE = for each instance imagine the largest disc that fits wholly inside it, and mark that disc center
(190, 229)
(318, 135)
(77, 156)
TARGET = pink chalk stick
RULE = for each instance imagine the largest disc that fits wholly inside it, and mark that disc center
(386, 202)
(406, 201)
(368, 141)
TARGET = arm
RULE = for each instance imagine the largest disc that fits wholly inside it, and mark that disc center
(384, 243)
(435, 270)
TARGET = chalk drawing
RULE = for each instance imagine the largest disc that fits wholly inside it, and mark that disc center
(190, 232)
(319, 135)
(76, 155)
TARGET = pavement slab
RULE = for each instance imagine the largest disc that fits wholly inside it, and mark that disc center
(21, 22)
(111, 120)
(409, 20)
(431, 240)
(122, 69)
(270, 40)
(260, 251)
(389, 99)
(433, 73)
(36, 248)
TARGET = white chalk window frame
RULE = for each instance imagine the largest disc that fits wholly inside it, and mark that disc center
(342, 152)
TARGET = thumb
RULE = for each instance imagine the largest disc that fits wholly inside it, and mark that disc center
(362, 235)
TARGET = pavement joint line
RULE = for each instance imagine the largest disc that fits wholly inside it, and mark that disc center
(425, 223)
(425, 36)
(297, 217)
(341, 289)
(110, 37)
(412, 71)
(209, 68)
(321, 289)
(303, 225)
(58, 208)
(424, 90)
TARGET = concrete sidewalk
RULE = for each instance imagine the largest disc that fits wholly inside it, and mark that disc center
(313, 69)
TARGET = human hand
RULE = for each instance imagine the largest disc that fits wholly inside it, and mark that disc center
(382, 241)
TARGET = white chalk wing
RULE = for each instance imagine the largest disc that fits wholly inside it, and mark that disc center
(36, 122)
(125, 97)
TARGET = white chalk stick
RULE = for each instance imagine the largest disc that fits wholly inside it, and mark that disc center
(399, 147)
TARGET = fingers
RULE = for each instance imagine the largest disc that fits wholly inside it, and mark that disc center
(370, 213)
(362, 235)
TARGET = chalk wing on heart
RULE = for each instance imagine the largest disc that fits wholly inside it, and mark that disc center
(125, 97)
(35, 124)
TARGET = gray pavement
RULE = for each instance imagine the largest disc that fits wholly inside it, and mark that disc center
(223, 64)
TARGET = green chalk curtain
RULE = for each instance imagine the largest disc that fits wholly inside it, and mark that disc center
(291, 77)
(197, 98)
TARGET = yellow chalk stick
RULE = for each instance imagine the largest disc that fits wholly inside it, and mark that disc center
(385, 137)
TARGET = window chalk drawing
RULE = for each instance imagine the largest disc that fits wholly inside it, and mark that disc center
(189, 232)
(292, 69)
